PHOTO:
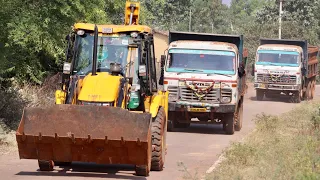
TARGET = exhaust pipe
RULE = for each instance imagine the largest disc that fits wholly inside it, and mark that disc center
(131, 15)
(95, 51)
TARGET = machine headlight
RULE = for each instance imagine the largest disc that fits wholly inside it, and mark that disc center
(259, 79)
(134, 34)
(226, 99)
(80, 32)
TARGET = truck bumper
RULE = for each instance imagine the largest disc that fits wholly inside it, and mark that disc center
(201, 107)
(280, 87)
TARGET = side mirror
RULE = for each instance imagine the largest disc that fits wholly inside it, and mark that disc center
(66, 68)
(130, 80)
(252, 70)
(163, 60)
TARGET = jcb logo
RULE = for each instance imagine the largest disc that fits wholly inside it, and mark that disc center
(93, 97)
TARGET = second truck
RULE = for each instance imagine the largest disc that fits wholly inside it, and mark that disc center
(287, 67)
(205, 75)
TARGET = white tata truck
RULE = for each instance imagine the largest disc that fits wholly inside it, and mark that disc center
(285, 67)
(205, 75)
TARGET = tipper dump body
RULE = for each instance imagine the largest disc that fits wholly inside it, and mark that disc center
(66, 133)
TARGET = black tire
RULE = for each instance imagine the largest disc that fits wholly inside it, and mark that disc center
(239, 118)
(229, 123)
(259, 94)
(313, 88)
(297, 97)
(173, 123)
(142, 171)
(159, 133)
(309, 91)
(58, 163)
(45, 165)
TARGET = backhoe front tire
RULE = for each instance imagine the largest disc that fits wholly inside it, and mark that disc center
(142, 171)
(159, 133)
(46, 165)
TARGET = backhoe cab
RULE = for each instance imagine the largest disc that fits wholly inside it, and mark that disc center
(109, 109)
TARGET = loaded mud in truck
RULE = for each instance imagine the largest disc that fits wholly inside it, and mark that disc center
(205, 75)
(287, 67)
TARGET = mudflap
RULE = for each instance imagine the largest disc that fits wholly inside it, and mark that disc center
(104, 135)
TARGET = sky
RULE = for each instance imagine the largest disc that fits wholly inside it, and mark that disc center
(226, 2)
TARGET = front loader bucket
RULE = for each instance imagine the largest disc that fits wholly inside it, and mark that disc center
(66, 133)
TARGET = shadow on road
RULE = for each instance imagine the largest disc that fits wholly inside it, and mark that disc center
(88, 170)
(275, 99)
(202, 129)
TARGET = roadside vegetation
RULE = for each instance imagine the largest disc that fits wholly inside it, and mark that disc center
(281, 147)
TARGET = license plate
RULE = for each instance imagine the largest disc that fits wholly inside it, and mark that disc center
(198, 109)
(262, 86)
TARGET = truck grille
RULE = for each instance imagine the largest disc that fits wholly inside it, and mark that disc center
(285, 79)
(186, 94)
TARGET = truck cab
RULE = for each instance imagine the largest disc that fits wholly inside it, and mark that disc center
(205, 80)
(285, 67)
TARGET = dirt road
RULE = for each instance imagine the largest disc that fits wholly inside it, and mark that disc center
(197, 148)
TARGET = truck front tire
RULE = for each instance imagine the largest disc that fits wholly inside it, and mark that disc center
(228, 124)
(239, 118)
(259, 94)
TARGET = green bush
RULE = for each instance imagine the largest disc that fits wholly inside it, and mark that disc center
(281, 147)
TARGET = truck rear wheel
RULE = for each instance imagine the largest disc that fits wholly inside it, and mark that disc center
(309, 91)
(239, 118)
(229, 123)
(259, 94)
(159, 133)
(46, 165)
(313, 88)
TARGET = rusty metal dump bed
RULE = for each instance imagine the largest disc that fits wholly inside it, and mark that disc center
(66, 133)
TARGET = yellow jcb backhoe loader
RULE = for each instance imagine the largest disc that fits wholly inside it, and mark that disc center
(110, 109)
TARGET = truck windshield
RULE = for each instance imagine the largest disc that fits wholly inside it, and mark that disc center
(201, 61)
(110, 49)
(278, 58)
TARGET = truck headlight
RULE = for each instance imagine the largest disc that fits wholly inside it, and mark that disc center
(173, 97)
(226, 99)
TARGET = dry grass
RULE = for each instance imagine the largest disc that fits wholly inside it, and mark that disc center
(281, 147)
(12, 102)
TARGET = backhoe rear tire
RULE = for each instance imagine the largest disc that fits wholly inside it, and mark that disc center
(159, 133)
(46, 165)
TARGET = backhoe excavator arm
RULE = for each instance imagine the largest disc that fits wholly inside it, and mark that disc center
(132, 12)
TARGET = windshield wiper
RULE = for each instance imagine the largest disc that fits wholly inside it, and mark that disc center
(193, 70)
(227, 75)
